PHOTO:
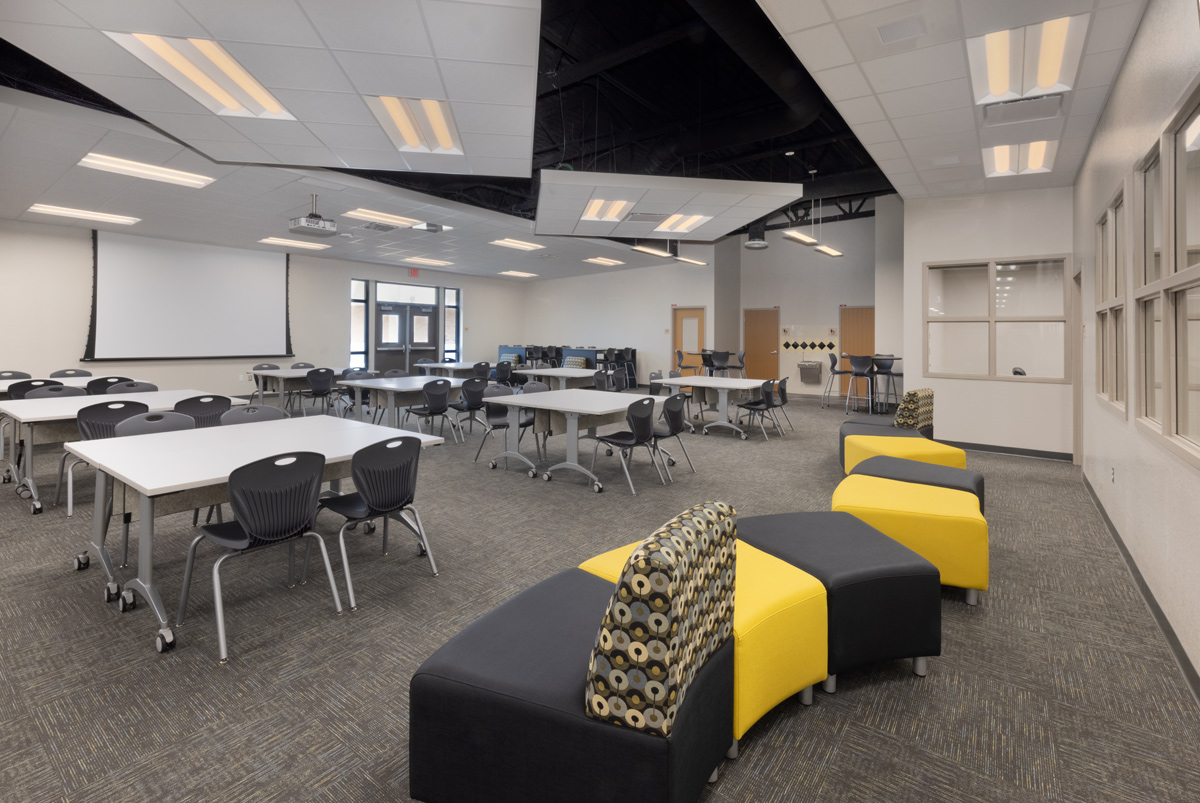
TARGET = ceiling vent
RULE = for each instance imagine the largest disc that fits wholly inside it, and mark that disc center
(373, 226)
(645, 217)
(900, 30)
(1023, 111)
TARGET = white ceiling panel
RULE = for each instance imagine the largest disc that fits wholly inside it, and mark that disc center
(495, 146)
(1112, 28)
(359, 137)
(379, 26)
(796, 15)
(862, 110)
(887, 150)
(489, 83)
(871, 133)
(277, 66)
(928, 99)
(274, 22)
(1099, 69)
(932, 22)
(915, 68)
(273, 132)
(984, 16)
(843, 83)
(492, 118)
(489, 33)
(852, 8)
(224, 151)
(325, 107)
(1080, 125)
(891, 166)
(147, 16)
(928, 125)
(397, 76)
(74, 50)
(194, 127)
(38, 11)
(822, 47)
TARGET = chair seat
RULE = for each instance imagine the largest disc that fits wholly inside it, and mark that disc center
(464, 407)
(422, 410)
(350, 506)
(230, 535)
(753, 405)
(621, 439)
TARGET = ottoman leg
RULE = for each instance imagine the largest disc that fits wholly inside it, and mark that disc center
(830, 684)
(713, 778)
(806, 695)
(732, 752)
(972, 596)
(920, 666)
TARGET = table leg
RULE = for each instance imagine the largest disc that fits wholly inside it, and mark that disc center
(24, 470)
(143, 584)
(572, 461)
(281, 392)
(101, 516)
(723, 414)
(357, 400)
(562, 383)
(512, 442)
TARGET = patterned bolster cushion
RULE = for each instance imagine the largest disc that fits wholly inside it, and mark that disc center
(512, 357)
(574, 362)
(916, 409)
(672, 609)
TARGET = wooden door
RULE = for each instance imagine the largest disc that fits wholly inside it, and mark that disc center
(760, 337)
(688, 333)
(857, 336)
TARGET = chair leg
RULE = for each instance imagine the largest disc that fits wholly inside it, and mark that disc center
(419, 529)
(220, 607)
(304, 564)
(187, 580)
(337, 601)
(291, 575)
(482, 441)
(650, 451)
(346, 564)
(788, 417)
(685, 453)
(624, 467)
(658, 450)
(595, 449)
(62, 467)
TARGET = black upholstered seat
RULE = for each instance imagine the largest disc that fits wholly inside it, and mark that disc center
(897, 468)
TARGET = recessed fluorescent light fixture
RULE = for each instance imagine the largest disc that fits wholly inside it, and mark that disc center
(690, 261)
(202, 68)
(600, 209)
(83, 214)
(800, 236)
(125, 167)
(683, 223)
(658, 252)
(517, 273)
(604, 261)
(423, 261)
(416, 124)
(1026, 62)
(434, 227)
(293, 243)
(381, 217)
(833, 252)
(520, 245)
(1012, 160)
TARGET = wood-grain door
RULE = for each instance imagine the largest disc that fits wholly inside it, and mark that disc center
(687, 333)
(857, 336)
(760, 337)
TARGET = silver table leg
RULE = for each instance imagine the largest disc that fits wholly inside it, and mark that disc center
(572, 461)
(143, 584)
(723, 414)
(512, 441)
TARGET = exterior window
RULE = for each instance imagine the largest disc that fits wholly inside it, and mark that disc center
(1110, 311)
(1152, 259)
(451, 347)
(1187, 363)
(1152, 352)
(358, 323)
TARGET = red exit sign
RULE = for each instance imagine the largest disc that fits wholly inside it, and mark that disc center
(414, 271)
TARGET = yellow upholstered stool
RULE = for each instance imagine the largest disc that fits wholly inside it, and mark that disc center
(860, 447)
(780, 628)
(943, 526)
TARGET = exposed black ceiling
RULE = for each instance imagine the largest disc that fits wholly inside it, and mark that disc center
(703, 88)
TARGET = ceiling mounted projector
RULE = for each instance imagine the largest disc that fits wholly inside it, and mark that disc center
(312, 224)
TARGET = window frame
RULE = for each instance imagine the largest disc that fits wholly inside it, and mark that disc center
(1108, 348)
(458, 330)
(991, 319)
(366, 325)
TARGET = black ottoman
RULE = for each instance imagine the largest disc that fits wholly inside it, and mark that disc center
(885, 601)
(879, 430)
(897, 468)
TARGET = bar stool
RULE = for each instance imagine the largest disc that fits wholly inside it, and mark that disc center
(860, 368)
(883, 371)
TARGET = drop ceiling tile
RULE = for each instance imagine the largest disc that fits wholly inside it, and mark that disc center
(795, 15)
(1019, 133)
(277, 66)
(497, 146)
(398, 76)
(929, 98)
(754, 204)
(668, 196)
(947, 174)
(194, 126)
(145, 94)
(361, 137)
(379, 26)
(957, 187)
(914, 192)
(493, 166)
(40, 12)
(861, 110)
(1080, 125)
(717, 199)
(495, 83)
(76, 51)
(142, 16)
(498, 34)
(942, 144)
(887, 150)
(843, 83)
(35, 129)
(226, 151)
(928, 125)
(820, 48)
(928, 65)
(890, 166)
(437, 163)
(1070, 147)
(1099, 69)
(1112, 28)
(325, 107)
(1087, 101)
(589, 228)
(490, 118)
(984, 16)
(971, 157)
(273, 132)
(852, 8)
(871, 133)
(567, 191)
(904, 180)
(276, 22)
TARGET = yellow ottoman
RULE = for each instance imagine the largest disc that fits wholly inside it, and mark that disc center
(780, 629)
(860, 447)
(943, 526)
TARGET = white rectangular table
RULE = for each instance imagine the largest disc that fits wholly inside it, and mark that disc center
(722, 385)
(69, 381)
(393, 387)
(31, 412)
(448, 369)
(574, 404)
(562, 374)
(171, 462)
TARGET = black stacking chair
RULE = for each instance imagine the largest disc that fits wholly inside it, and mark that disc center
(687, 395)
(885, 375)
(760, 407)
(66, 372)
(504, 372)
(290, 395)
(395, 373)
(345, 396)
(260, 382)
(437, 401)
(54, 392)
(834, 373)
(251, 414)
(303, 365)
(600, 378)
(655, 390)
(423, 371)
(780, 402)
(131, 387)
(320, 386)
(497, 416)
(720, 363)
(274, 501)
(483, 370)
(205, 410)
(18, 390)
(95, 422)
(618, 380)
(608, 360)
(10, 375)
(673, 415)
(385, 482)
(471, 402)
(706, 363)
(861, 368)
(640, 418)
(100, 385)
(741, 363)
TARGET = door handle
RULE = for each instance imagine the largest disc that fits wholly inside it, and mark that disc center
(775, 352)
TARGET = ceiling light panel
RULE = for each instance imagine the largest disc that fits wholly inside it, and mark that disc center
(517, 273)
(126, 167)
(825, 249)
(293, 243)
(690, 261)
(438, 263)
(1012, 160)
(682, 223)
(602, 209)
(202, 69)
(658, 252)
(381, 217)
(417, 125)
(799, 236)
(604, 261)
(1026, 62)
(83, 214)
(520, 245)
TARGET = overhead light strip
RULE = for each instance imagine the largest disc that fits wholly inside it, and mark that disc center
(381, 217)
(825, 249)
(423, 261)
(1012, 160)
(800, 236)
(520, 245)
(658, 252)
(604, 261)
(682, 223)
(112, 164)
(690, 261)
(601, 209)
(83, 214)
(517, 273)
(1025, 62)
(293, 243)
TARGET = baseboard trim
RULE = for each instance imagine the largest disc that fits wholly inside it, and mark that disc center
(987, 447)
(1181, 657)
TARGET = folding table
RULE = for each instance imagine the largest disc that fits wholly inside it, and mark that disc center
(722, 385)
(409, 388)
(563, 375)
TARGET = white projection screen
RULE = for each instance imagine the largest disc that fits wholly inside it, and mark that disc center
(158, 299)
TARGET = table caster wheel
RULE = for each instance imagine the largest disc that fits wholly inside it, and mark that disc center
(608, 452)
(547, 476)
(670, 461)
(533, 473)
(369, 527)
(492, 464)
(126, 602)
(81, 561)
(112, 591)
(745, 436)
(23, 492)
(35, 508)
(7, 478)
(598, 488)
(164, 641)
(704, 432)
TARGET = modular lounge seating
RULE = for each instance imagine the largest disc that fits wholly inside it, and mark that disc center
(914, 421)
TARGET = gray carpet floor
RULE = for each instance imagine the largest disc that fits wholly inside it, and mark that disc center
(1058, 687)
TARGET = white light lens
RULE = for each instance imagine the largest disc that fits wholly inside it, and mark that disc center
(83, 214)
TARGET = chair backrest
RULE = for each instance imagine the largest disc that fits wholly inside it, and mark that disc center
(1019, 372)
(483, 369)
(99, 421)
(720, 360)
(69, 372)
(100, 385)
(385, 473)
(423, 371)
(678, 359)
(610, 354)
(861, 365)
(54, 392)
(472, 392)
(627, 352)
(883, 365)
(675, 597)
(673, 413)
(781, 392)
(320, 381)
(503, 371)
(206, 411)
(497, 414)
(356, 373)
(706, 359)
(534, 386)
(655, 389)
(640, 417)
(601, 380)
(15, 375)
(393, 373)
(149, 423)
(132, 387)
(767, 393)
(437, 395)
(618, 381)
(833, 362)
(276, 497)
(742, 357)
(265, 366)
(303, 365)
(17, 390)
(915, 411)
(251, 414)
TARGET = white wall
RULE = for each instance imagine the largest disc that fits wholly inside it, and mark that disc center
(1149, 493)
(889, 276)
(1026, 415)
(622, 308)
(808, 288)
(46, 273)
